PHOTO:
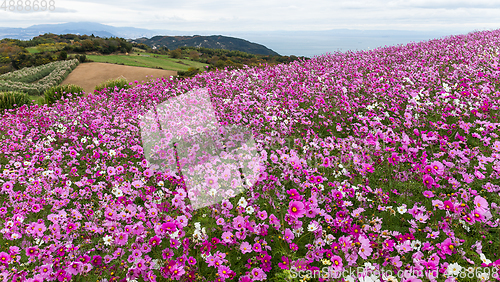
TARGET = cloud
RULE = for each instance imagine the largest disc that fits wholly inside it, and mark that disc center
(222, 15)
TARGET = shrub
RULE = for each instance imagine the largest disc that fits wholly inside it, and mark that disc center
(82, 58)
(55, 93)
(176, 54)
(13, 99)
(63, 55)
(189, 73)
(120, 83)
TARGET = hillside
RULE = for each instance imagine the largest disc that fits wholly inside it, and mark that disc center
(213, 41)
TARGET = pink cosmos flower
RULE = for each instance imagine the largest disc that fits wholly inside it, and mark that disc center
(257, 247)
(32, 251)
(212, 182)
(258, 274)
(336, 262)
(393, 159)
(227, 237)
(481, 203)
(478, 215)
(479, 175)
(121, 239)
(46, 270)
(368, 167)
(296, 209)
(111, 170)
(74, 268)
(7, 186)
(428, 169)
(224, 271)
(428, 181)
(294, 194)
(447, 246)
(285, 262)
(437, 168)
(96, 260)
(262, 215)
(191, 260)
(245, 247)
(468, 178)
(448, 205)
(469, 218)
(289, 236)
(428, 194)
(154, 241)
(141, 264)
(365, 250)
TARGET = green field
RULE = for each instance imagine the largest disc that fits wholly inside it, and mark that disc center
(153, 61)
(32, 50)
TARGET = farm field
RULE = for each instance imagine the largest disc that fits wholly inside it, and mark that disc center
(153, 61)
(382, 161)
(88, 75)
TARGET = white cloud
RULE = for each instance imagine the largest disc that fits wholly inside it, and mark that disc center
(264, 15)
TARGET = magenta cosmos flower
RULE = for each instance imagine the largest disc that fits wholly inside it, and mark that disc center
(393, 159)
(258, 274)
(447, 246)
(428, 181)
(296, 209)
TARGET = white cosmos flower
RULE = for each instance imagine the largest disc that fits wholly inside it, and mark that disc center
(250, 209)
(402, 209)
(212, 192)
(454, 269)
(484, 259)
(313, 226)
(107, 240)
(242, 202)
(117, 192)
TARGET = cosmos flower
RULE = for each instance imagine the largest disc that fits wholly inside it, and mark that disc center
(428, 181)
(296, 209)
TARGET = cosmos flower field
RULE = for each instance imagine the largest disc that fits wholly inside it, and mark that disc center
(386, 159)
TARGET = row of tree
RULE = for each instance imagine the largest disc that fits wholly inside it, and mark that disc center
(220, 58)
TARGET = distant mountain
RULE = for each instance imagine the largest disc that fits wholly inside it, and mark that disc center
(299, 43)
(213, 41)
(79, 28)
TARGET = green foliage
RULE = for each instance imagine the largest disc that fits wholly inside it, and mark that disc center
(55, 93)
(176, 54)
(63, 55)
(13, 99)
(81, 58)
(36, 80)
(112, 84)
(189, 73)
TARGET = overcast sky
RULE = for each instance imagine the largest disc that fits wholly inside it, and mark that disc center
(267, 15)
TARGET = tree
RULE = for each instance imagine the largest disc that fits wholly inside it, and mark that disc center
(176, 54)
(63, 55)
(193, 55)
(88, 45)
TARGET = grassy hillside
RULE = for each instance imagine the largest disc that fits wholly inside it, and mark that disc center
(153, 61)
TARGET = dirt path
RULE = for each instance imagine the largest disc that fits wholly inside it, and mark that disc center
(89, 75)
